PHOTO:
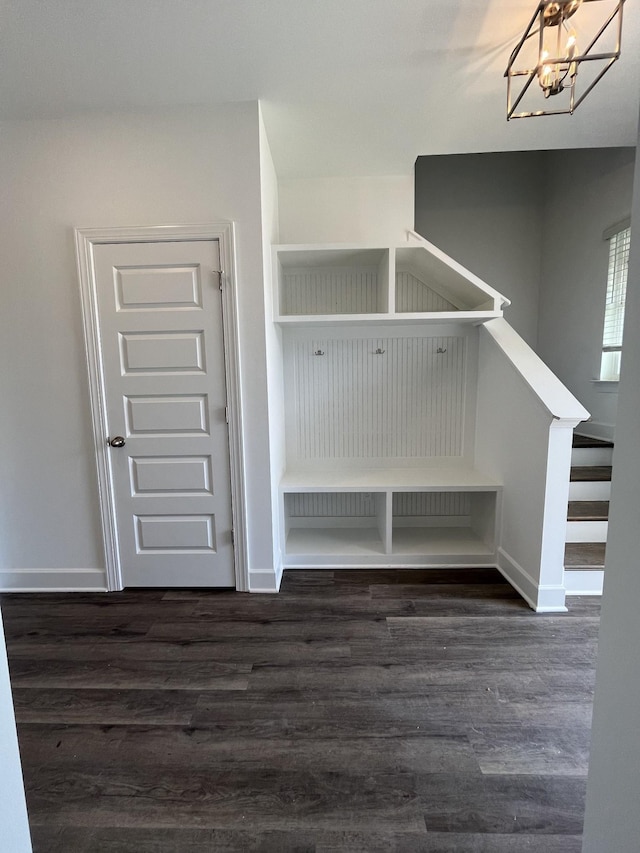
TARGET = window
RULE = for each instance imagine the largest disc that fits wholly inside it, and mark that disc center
(619, 242)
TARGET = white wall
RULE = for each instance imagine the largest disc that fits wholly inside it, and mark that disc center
(484, 211)
(524, 424)
(186, 166)
(346, 210)
(612, 821)
(587, 191)
(14, 825)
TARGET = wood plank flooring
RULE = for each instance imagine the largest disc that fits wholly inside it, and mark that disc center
(355, 711)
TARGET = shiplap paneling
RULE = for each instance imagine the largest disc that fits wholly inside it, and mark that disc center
(412, 294)
(354, 403)
(330, 505)
(431, 503)
(330, 291)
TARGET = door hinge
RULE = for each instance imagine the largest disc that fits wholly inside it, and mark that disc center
(233, 538)
(219, 273)
(226, 413)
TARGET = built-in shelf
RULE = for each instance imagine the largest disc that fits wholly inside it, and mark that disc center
(398, 319)
(398, 526)
(430, 541)
(331, 541)
(378, 404)
(318, 285)
(357, 479)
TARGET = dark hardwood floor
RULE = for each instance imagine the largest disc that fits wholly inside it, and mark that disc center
(356, 711)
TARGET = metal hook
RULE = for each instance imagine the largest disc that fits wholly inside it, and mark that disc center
(319, 352)
(441, 349)
(380, 351)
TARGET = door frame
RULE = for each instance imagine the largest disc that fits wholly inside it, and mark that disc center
(224, 233)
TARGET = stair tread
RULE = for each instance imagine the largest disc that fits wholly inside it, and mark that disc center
(588, 473)
(584, 555)
(587, 441)
(588, 511)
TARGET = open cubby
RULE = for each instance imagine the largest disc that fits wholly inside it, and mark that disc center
(436, 523)
(326, 525)
(389, 528)
(331, 282)
(426, 284)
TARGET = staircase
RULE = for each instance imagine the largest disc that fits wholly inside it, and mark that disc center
(588, 514)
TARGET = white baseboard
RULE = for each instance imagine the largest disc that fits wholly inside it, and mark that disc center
(543, 599)
(579, 582)
(265, 580)
(53, 580)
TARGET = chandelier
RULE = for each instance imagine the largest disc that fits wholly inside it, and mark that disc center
(567, 36)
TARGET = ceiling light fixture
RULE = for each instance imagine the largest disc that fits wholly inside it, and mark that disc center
(555, 58)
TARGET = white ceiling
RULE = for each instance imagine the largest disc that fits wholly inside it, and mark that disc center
(349, 87)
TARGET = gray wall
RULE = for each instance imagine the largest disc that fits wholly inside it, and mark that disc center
(484, 211)
(530, 224)
(612, 820)
(588, 191)
(175, 167)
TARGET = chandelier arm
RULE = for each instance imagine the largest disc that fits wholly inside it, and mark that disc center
(593, 83)
(524, 37)
(616, 11)
(522, 94)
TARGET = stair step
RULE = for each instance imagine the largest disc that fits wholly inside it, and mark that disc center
(588, 511)
(587, 473)
(584, 555)
(587, 441)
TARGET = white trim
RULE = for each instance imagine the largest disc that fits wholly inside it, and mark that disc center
(616, 228)
(53, 580)
(579, 582)
(223, 232)
(558, 401)
(606, 386)
(265, 580)
(501, 299)
(544, 598)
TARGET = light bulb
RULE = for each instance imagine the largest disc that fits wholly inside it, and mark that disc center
(571, 51)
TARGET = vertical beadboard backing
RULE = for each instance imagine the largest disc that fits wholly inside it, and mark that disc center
(431, 503)
(328, 505)
(412, 294)
(408, 401)
(330, 291)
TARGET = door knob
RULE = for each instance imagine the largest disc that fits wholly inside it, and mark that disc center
(117, 441)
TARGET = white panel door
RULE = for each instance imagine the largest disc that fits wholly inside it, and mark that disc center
(161, 333)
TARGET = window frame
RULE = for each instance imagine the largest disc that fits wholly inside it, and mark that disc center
(614, 307)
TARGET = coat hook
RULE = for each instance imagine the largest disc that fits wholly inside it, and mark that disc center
(380, 351)
(441, 349)
(319, 352)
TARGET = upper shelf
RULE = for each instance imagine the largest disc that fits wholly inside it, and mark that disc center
(356, 284)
